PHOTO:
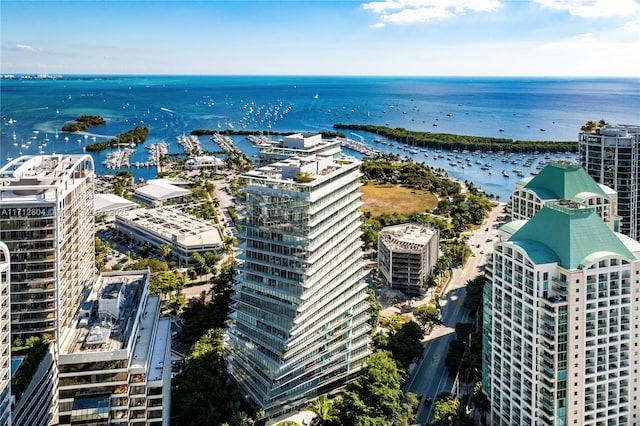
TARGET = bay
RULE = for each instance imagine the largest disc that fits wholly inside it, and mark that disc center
(518, 108)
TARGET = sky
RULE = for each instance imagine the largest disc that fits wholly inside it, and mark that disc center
(559, 38)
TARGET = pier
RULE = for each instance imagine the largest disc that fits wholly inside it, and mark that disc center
(225, 142)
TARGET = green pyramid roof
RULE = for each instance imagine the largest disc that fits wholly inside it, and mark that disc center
(562, 180)
(573, 233)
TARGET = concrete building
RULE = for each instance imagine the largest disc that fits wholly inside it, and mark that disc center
(299, 144)
(562, 180)
(5, 337)
(116, 368)
(200, 161)
(184, 233)
(46, 220)
(406, 256)
(561, 322)
(299, 321)
(38, 403)
(611, 155)
(161, 193)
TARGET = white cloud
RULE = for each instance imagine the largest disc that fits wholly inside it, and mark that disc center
(575, 42)
(26, 48)
(417, 11)
(632, 25)
(593, 8)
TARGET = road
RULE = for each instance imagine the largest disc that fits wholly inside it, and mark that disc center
(430, 377)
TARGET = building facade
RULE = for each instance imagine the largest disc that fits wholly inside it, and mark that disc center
(184, 233)
(611, 155)
(301, 144)
(561, 322)
(46, 220)
(562, 180)
(299, 314)
(5, 336)
(116, 367)
(406, 256)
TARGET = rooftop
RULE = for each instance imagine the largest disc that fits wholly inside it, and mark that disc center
(569, 234)
(107, 316)
(316, 168)
(36, 177)
(161, 191)
(110, 203)
(408, 236)
(562, 180)
(172, 224)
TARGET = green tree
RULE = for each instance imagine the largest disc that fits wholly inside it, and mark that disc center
(428, 316)
(405, 344)
(164, 250)
(445, 410)
(374, 308)
(381, 385)
(199, 260)
(324, 410)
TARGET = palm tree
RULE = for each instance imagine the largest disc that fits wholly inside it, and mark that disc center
(324, 411)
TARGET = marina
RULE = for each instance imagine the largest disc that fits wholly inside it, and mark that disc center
(283, 104)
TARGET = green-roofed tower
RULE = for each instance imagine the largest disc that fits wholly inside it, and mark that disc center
(560, 321)
(562, 180)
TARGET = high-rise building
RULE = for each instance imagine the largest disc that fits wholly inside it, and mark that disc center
(116, 368)
(562, 180)
(406, 255)
(561, 322)
(46, 220)
(299, 314)
(5, 337)
(611, 155)
(297, 144)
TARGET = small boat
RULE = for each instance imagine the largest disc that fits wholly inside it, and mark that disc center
(501, 129)
(505, 173)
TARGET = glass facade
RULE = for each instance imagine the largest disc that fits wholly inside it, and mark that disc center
(299, 313)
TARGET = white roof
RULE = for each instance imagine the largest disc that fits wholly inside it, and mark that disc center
(162, 191)
(110, 203)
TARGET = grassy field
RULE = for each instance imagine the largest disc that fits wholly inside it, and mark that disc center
(380, 199)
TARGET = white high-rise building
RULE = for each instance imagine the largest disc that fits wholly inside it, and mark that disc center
(562, 180)
(299, 314)
(561, 319)
(46, 220)
(5, 337)
(611, 155)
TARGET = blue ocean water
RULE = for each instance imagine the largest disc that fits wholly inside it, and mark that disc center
(34, 110)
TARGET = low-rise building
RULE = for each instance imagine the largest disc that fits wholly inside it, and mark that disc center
(184, 233)
(200, 161)
(160, 193)
(115, 367)
(406, 256)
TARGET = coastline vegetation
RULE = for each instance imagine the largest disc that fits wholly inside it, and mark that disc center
(130, 137)
(228, 132)
(451, 141)
(83, 122)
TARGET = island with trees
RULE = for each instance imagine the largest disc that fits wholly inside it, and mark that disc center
(83, 122)
(451, 141)
(130, 137)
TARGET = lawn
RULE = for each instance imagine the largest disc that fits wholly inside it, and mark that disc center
(381, 199)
